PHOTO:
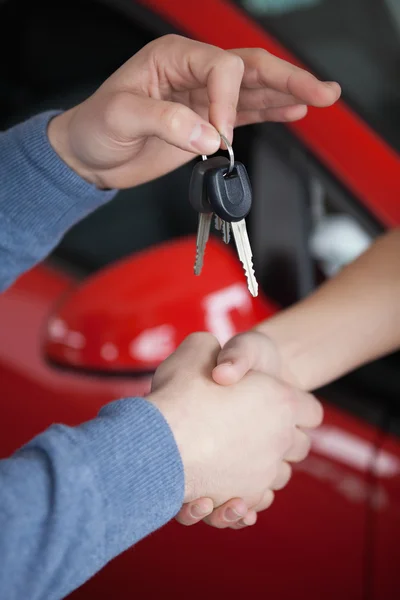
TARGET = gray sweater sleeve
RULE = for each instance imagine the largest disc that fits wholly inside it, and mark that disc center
(74, 497)
(40, 197)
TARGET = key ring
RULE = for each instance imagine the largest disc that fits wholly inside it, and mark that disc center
(230, 152)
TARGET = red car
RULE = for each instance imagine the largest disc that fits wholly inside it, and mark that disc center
(118, 294)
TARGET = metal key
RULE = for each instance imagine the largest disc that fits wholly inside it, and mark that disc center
(245, 254)
(226, 231)
(218, 223)
(199, 200)
(224, 227)
(229, 193)
(203, 233)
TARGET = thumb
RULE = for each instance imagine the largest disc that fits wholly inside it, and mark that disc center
(176, 124)
(251, 351)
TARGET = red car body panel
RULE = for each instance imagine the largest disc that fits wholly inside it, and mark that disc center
(313, 541)
(387, 528)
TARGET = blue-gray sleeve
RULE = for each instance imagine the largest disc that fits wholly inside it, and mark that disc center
(40, 197)
(74, 497)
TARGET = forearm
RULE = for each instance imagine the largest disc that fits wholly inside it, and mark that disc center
(40, 197)
(349, 321)
(74, 498)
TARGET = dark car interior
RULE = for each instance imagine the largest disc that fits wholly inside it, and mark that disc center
(355, 42)
(54, 63)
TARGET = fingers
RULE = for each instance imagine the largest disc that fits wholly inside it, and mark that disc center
(247, 521)
(235, 513)
(309, 411)
(243, 353)
(263, 98)
(222, 73)
(129, 116)
(223, 89)
(227, 514)
(307, 88)
(185, 64)
(196, 354)
(231, 513)
(269, 89)
(283, 476)
(251, 516)
(195, 511)
(300, 447)
(284, 114)
(265, 502)
(264, 70)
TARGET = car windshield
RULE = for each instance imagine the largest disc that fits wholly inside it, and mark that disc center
(356, 42)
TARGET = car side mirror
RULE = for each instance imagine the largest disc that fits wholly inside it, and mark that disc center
(128, 317)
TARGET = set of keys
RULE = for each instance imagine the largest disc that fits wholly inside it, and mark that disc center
(220, 187)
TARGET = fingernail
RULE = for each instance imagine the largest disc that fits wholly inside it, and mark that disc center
(196, 511)
(231, 515)
(205, 139)
(227, 363)
(331, 84)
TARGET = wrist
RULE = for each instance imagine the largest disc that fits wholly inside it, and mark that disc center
(287, 349)
(175, 421)
(58, 133)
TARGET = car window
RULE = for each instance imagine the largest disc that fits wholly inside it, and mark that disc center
(356, 42)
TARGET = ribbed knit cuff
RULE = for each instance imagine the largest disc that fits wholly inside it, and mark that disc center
(139, 468)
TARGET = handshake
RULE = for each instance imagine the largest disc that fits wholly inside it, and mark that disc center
(238, 423)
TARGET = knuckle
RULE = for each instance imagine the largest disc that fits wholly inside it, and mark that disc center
(173, 116)
(260, 52)
(283, 477)
(319, 412)
(201, 337)
(165, 42)
(265, 501)
(259, 55)
(287, 472)
(305, 449)
(268, 499)
(306, 444)
(301, 448)
(288, 439)
(203, 340)
(256, 501)
(234, 62)
(171, 39)
(273, 472)
(313, 411)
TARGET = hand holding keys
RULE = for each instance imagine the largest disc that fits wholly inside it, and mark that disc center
(222, 187)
